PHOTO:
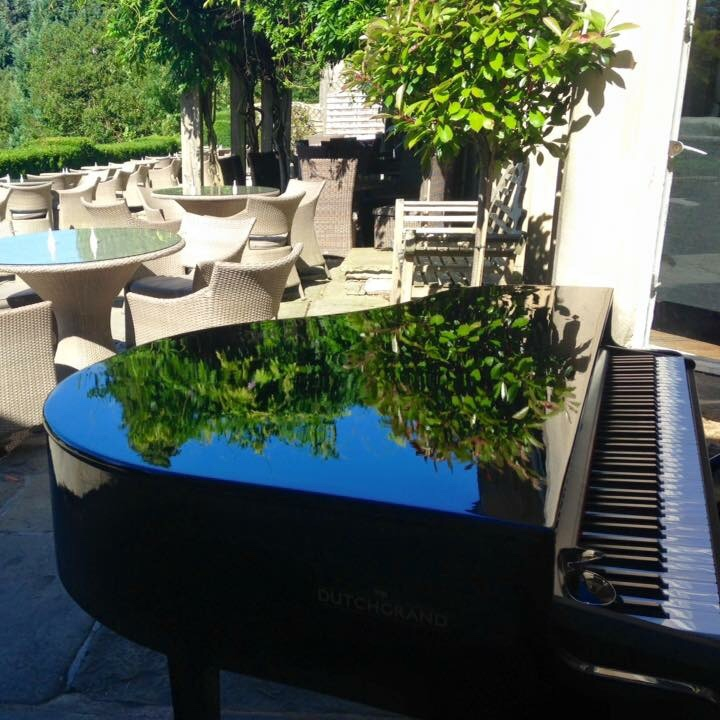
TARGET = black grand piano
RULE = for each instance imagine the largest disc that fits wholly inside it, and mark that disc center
(422, 507)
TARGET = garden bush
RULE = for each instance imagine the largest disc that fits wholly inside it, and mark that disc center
(55, 153)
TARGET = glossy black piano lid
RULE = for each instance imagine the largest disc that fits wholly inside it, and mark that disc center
(465, 402)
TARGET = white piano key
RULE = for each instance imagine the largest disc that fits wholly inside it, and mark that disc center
(688, 572)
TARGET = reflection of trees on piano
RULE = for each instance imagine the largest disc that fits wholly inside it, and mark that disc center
(468, 382)
(249, 384)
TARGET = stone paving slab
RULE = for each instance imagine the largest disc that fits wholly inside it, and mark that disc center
(41, 627)
(28, 511)
(77, 707)
(117, 670)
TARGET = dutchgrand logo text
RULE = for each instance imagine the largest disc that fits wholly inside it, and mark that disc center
(379, 603)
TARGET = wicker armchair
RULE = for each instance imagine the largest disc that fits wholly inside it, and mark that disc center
(134, 182)
(101, 175)
(27, 351)
(265, 169)
(4, 194)
(270, 238)
(169, 208)
(117, 214)
(108, 190)
(161, 162)
(164, 177)
(56, 180)
(303, 225)
(207, 240)
(334, 223)
(71, 212)
(234, 294)
(30, 207)
(24, 296)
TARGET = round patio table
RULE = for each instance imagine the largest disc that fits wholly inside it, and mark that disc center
(220, 201)
(81, 272)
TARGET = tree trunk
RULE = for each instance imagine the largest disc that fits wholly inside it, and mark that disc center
(484, 201)
(439, 180)
(266, 123)
(238, 117)
(191, 137)
(212, 175)
(281, 129)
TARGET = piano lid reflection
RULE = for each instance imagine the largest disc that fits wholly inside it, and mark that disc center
(477, 472)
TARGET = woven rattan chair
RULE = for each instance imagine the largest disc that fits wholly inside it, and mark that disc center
(270, 237)
(135, 180)
(117, 214)
(207, 240)
(4, 194)
(101, 175)
(73, 179)
(164, 177)
(303, 226)
(334, 224)
(162, 162)
(169, 208)
(27, 351)
(232, 170)
(23, 296)
(234, 294)
(56, 180)
(109, 190)
(71, 212)
(265, 169)
(30, 207)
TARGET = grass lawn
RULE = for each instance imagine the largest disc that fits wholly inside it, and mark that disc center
(222, 127)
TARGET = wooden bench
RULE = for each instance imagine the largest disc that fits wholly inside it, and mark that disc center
(435, 242)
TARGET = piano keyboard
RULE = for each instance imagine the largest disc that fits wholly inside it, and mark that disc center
(645, 506)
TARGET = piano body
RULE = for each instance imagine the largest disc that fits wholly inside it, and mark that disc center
(396, 506)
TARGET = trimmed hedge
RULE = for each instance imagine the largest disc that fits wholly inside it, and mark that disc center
(54, 153)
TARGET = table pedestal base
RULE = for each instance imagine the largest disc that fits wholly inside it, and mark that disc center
(82, 301)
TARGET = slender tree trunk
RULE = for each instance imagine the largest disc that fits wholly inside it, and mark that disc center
(211, 167)
(238, 117)
(266, 123)
(282, 109)
(191, 137)
(439, 180)
(484, 201)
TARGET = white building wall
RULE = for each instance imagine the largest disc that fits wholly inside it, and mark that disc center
(345, 112)
(612, 206)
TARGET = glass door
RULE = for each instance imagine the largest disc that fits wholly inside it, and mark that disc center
(687, 308)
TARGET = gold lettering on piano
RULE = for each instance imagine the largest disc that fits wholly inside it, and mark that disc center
(380, 605)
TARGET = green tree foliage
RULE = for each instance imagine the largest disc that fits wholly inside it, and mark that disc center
(6, 40)
(75, 86)
(9, 106)
(499, 73)
(59, 76)
(309, 33)
(193, 41)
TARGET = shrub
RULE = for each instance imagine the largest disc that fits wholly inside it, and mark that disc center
(121, 151)
(55, 153)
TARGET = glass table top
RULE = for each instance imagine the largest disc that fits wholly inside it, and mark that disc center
(68, 247)
(465, 402)
(208, 191)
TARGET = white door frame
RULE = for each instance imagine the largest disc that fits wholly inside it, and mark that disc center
(680, 81)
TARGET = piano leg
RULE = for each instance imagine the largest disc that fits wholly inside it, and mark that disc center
(195, 688)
